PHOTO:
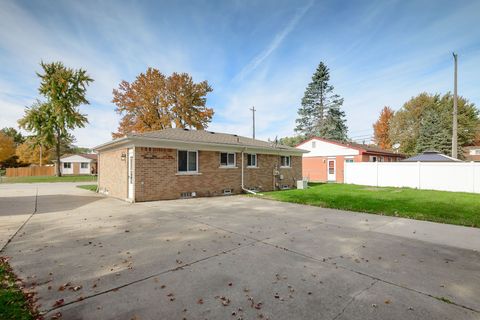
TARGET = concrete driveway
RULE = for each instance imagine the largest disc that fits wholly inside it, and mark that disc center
(90, 257)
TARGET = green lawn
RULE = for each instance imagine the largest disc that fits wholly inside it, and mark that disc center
(438, 206)
(90, 187)
(47, 179)
(14, 304)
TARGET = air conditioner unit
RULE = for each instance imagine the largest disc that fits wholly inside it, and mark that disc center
(302, 184)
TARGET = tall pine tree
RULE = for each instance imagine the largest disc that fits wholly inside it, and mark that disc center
(320, 114)
(434, 133)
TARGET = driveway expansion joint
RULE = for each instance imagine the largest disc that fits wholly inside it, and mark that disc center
(181, 267)
(23, 224)
(376, 279)
(324, 260)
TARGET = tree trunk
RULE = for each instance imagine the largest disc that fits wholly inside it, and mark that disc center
(57, 153)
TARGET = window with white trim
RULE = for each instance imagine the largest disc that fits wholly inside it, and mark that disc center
(227, 159)
(84, 165)
(285, 161)
(187, 161)
(349, 160)
(251, 160)
(67, 165)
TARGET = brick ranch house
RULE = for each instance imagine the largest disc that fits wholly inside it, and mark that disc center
(181, 163)
(325, 160)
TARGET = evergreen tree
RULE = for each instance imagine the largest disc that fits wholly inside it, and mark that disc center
(314, 118)
(433, 133)
(334, 126)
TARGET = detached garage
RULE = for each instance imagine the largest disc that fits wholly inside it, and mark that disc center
(78, 164)
(182, 163)
(326, 158)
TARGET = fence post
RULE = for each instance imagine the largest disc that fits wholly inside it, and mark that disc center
(473, 176)
(377, 173)
(419, 173)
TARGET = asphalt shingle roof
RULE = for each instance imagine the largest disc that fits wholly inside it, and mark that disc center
(430, 156)
(204, 136)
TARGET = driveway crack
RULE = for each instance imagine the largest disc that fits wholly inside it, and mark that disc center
(181, 267)
(370, 276)
(353, 298)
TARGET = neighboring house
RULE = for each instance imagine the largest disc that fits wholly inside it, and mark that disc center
(431, 156)
(182, 163)
(77, 164)
(472, 153)
(325, 161)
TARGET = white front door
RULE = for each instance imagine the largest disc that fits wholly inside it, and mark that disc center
(331, 170)
(131, 176)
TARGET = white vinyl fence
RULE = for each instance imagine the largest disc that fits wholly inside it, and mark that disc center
(451, 176)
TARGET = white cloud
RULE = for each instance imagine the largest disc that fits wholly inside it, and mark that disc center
(276, 42)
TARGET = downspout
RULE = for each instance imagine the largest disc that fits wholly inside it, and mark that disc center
(243, 186)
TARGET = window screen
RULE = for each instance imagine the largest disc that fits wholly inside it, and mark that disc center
(285, 161)
(252, 160)
(187, 161)
(227, 159)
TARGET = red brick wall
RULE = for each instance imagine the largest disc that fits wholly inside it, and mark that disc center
(156, 176)
(315, 168)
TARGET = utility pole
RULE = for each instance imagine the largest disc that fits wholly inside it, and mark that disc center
(253, 114)
(455, 107)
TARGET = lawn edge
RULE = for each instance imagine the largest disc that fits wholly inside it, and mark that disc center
(266, 197)
(29, 297)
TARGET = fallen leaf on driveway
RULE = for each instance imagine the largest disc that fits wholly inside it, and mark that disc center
(59, 302)
(225, 301)
(57, 315)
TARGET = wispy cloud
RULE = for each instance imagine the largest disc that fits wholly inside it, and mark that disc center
(276, 42)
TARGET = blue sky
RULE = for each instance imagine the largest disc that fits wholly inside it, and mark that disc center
(260, 53)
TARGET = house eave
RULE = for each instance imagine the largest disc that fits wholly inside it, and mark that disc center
(207, 146)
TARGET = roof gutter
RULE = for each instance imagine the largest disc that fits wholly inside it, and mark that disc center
(171, 144)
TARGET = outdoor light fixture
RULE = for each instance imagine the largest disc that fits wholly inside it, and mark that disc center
(124, 156)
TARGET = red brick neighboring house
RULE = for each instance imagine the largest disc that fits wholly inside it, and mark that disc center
(182, 163)
(325, 160)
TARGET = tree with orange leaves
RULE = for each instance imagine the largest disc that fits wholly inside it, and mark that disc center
(381, 128)
(155, 102)
(7, 147)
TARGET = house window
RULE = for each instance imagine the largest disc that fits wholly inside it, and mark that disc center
(227, 159)
(67, 165)
(373, 159)
(349, 160)
(251, 160)
(285, 161)
(187, 161)
(314, 144)
(84, 165)
(476, 152)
